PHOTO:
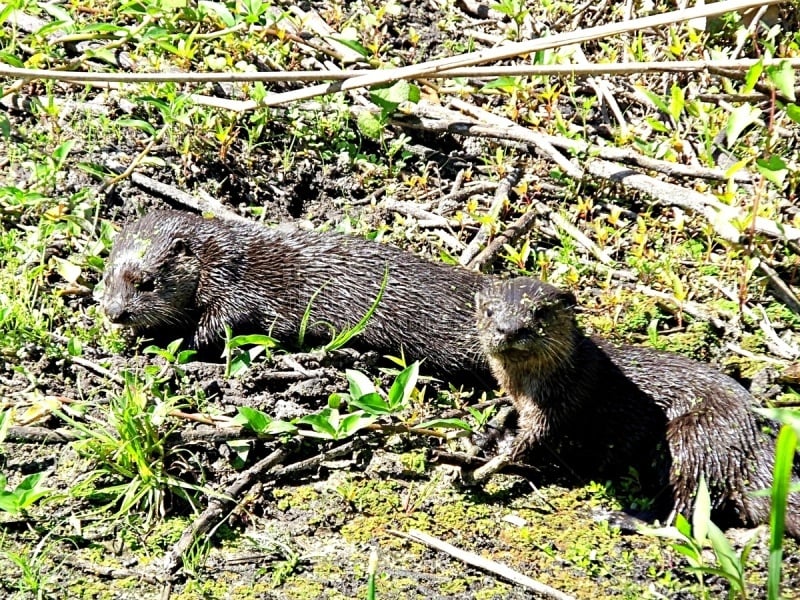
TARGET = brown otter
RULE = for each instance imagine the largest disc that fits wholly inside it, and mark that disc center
(603, 408)
(195, 275)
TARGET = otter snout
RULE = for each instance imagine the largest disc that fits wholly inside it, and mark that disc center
(115, 310)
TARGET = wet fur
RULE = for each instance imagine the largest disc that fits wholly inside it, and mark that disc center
(605, 408)
(196, 275)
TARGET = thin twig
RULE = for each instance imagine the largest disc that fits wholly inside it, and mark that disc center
(568, 70)
(511, 233)
(98, 369)
(213, 514)
(500, 198)
(491, 566)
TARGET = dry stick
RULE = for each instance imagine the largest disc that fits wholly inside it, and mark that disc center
(511, 233)
(179, 196)
(561, 223)
(109, 572)
(543, 145)
(662, 166)
(719, 215)
(412, 209)
(453, 198)
(512, 50)
(213, 514)
(475, 560)
(782, 291)
(97, 369)
(500, 198)
(686, 66)
(315, 461)
(43, 435)
(455, 123)
(538, 141)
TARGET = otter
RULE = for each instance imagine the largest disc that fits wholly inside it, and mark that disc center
(603, 408)
(193, 276)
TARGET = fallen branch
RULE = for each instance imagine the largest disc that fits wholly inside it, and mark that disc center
(212, 516)
(563, 70)
(491, 566)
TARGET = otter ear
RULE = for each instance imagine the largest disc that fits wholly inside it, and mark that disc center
(568, 298)
(179, 247)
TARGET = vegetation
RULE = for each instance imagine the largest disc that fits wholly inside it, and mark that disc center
(652, 170)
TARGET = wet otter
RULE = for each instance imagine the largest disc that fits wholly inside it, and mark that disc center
(603, 408)
(193, 275)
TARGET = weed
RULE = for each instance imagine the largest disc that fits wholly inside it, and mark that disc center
(132, 451)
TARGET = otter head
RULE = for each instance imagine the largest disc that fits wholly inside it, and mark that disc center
(526, 324)
(151, 275)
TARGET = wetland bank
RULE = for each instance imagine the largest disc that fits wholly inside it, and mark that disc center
(452, 176)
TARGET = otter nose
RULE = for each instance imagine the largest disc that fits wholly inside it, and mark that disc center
(114, 310)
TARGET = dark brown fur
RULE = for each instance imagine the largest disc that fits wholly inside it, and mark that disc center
(605, 408)
(194, 275)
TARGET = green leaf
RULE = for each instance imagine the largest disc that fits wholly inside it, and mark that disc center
(389, 97)
(753, 73)
(372, 404)
(5, 126)
(360, 384)
(657, 101)
(701, 517)
(138, 124)
(221, 11)
(741, 118)
(353, 423)
(506, 83)
(445, 424)
(69, 272)
(676, 102)
(774, 169)
(62, 151)
(30, 482)
(782, 77)
(255, 339)
(74, 347)
(726, 556)
(241, 450)
(657, 125)
(403, 386)
(682, 525)
(252, 419)
(784, 461)
(353, 45)
(324, 423)
(369, 125)
(793, 112)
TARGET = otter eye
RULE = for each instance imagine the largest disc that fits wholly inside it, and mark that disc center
(147, 284)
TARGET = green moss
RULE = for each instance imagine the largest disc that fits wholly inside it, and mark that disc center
(695, 342)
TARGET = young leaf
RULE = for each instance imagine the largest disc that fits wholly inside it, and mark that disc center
(445, 424)
(782, 77)
(353, 423)
(701, 517)
(372, 404)
(741, 118)
(773, 169)
(403, 385)
(369, 125)
(360, 384)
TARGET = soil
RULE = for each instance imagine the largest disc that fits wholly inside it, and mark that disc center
(310, 533)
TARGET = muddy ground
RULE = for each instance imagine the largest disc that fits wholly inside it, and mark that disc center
(306, 526)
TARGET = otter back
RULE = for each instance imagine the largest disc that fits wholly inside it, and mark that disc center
(193, 276)
(606, 408)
